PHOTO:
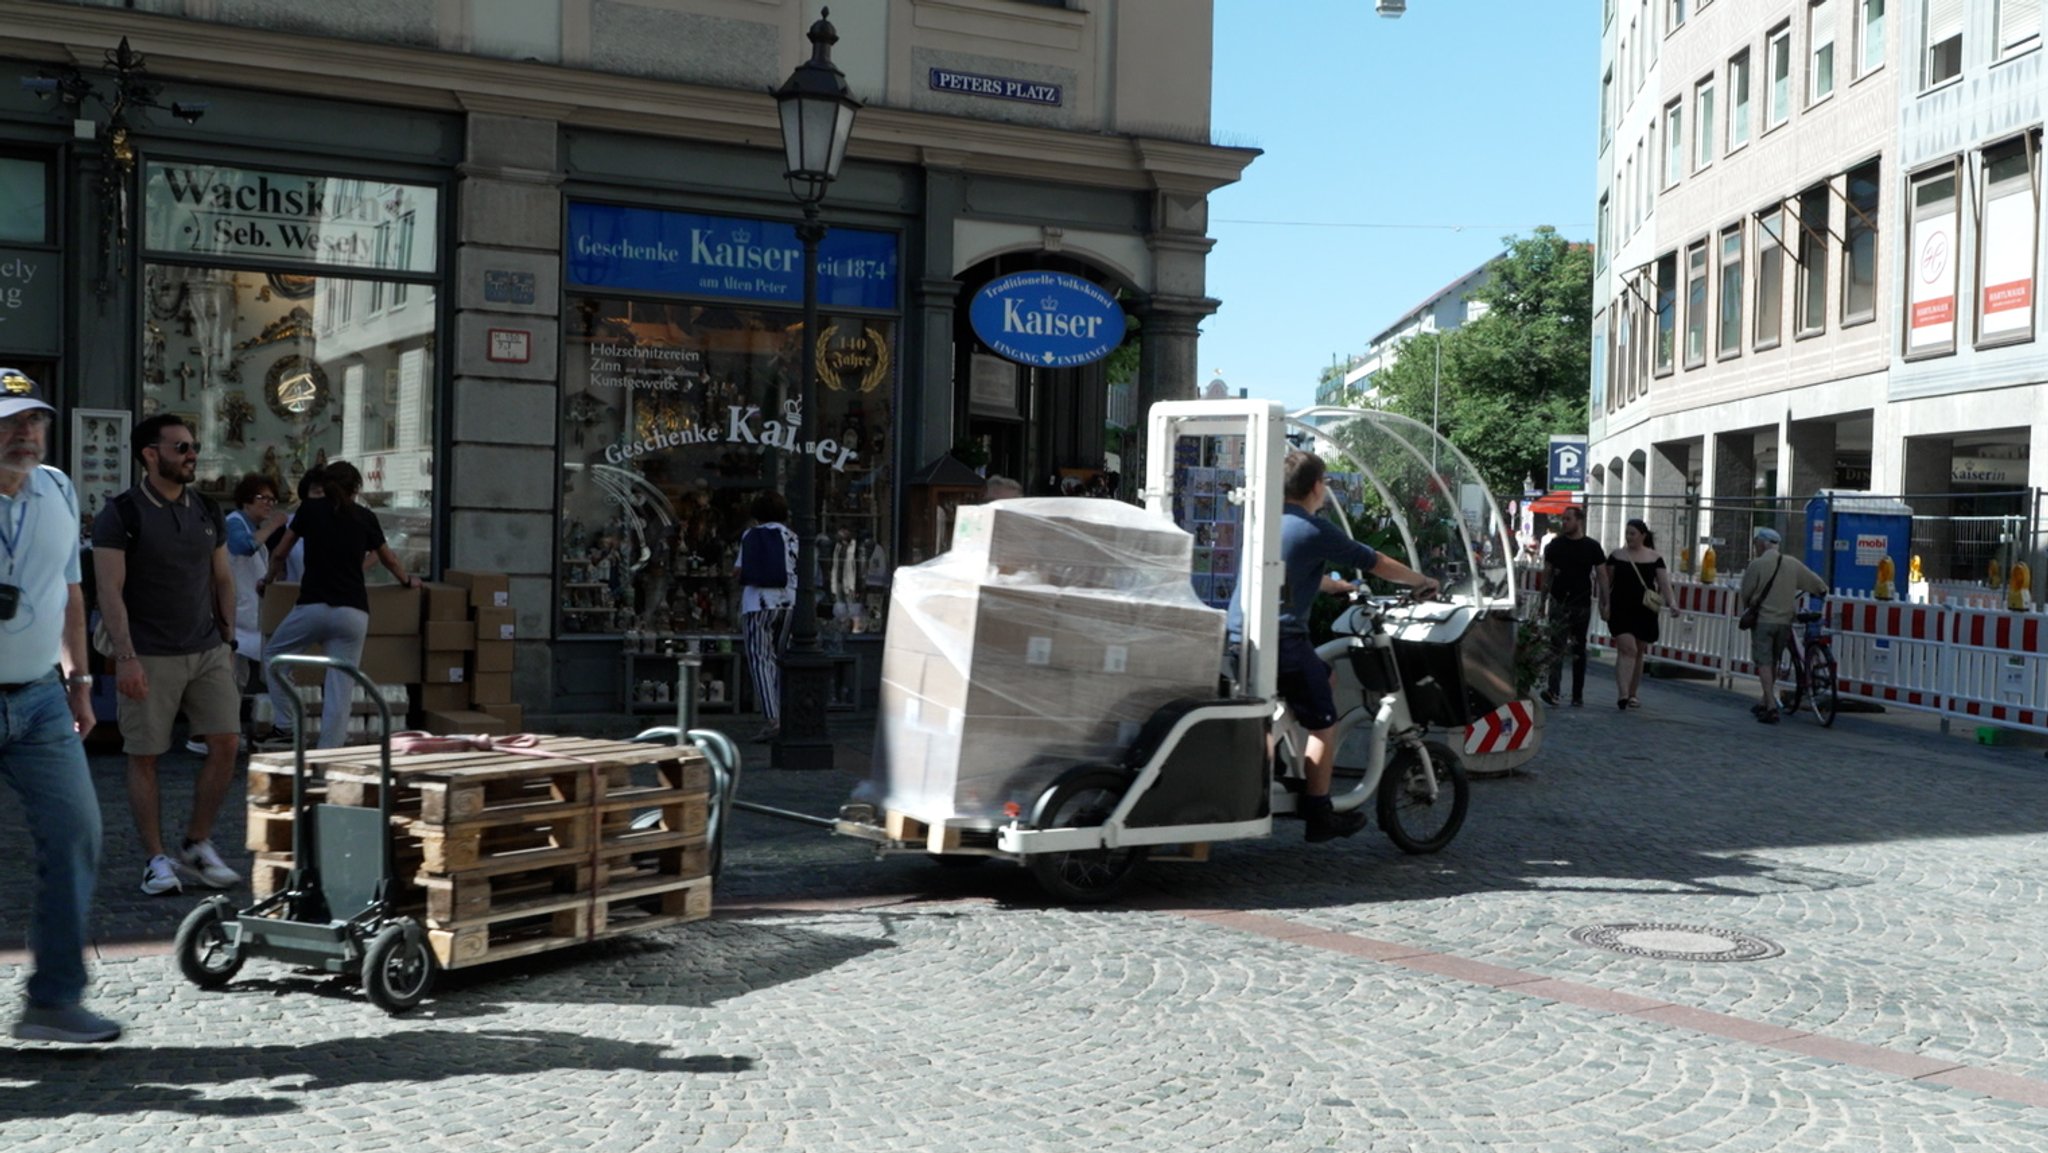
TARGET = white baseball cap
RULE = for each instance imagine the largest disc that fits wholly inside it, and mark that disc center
(1769, 536)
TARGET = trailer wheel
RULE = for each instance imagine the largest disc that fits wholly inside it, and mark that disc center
(398, 968)
(1084, 799)
(207, 953)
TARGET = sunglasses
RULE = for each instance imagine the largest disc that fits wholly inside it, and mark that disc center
(181, 447)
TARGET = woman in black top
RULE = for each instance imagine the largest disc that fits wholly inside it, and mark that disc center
(334, 606)
(1630, 572)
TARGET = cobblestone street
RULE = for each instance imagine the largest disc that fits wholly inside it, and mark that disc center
(1278, 997)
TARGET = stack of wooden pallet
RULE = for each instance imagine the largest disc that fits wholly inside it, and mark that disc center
(508, 852)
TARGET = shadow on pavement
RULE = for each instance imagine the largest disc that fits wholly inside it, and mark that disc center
(140, 1079)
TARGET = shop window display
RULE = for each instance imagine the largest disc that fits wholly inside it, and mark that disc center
(674, 416)
(279, 373)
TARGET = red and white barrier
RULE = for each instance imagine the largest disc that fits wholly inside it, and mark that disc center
(2000, 669)
(1503, 730)
(1891, 652)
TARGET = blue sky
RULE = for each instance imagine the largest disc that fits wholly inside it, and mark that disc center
(1473, 113)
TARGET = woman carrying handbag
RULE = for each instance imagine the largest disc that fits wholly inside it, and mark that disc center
(1635, 586)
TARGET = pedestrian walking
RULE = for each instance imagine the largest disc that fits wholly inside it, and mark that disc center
(1570, 560)
(334, 604)
(1775, 601)
(1635, 586)
(767, 575)
(167, 601)
(45, 712)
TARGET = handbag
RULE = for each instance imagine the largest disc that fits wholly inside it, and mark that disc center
(1652, 599)
(1747, 620)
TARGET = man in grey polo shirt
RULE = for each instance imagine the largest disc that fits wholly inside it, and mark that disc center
(43, 718)
(167, 597)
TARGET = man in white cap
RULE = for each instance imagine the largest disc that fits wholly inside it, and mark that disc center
(1772, 583)
(45, 710)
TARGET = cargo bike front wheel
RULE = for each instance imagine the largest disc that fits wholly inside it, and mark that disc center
(1084, 799)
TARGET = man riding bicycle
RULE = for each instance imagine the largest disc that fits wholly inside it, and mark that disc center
(1309, 547)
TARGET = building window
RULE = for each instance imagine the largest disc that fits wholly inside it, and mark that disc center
(1738, 100)
(1812, 302)
(1696, 305)
(1649, 21)
(1731, 292)
(1820, 50)
(1605, 243)
(1770, 277)
(1667, 311)
(1930, 252)
(1674, 141)
(1606, 108)
(1859, 246)
(24, 201)
(1778, 98)
(2007, 244)
(1703, 123)
(1674, 14)
(1870, 36)
(2019, 27)
(1943, 29)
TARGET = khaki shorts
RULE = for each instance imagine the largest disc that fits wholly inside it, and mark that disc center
(200, 685)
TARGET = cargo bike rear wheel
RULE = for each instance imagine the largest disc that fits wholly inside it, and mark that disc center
(1084, 799)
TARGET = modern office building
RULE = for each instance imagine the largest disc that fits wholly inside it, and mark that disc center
(1818, 240)
(532, 264)
(1447, 308)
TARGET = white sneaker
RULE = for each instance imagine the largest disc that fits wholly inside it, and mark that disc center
(213, 872)
(195, 745)
(160, 877)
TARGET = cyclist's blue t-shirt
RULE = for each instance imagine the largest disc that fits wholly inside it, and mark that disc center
(1309, 547)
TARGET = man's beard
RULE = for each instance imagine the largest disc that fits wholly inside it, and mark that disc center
(21, 457)
(179, 471)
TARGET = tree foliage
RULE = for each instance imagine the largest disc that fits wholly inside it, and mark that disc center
(1517, 374)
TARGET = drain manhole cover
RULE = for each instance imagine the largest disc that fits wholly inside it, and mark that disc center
(1666, 942)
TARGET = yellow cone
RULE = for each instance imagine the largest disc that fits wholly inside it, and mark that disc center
(1707, 565)
(2019, 588)
(1887, 580)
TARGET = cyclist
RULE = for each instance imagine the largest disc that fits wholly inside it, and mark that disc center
(1309, 547)
(1776, 601)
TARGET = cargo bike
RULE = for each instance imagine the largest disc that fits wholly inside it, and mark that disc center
(1201, 769)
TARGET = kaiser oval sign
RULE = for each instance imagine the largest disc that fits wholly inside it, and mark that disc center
(1049, 319)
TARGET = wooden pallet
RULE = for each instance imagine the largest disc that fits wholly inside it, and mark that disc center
(519, 934)
(648, 905)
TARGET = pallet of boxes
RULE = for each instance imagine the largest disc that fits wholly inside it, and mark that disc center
(1043, 640)
(510, 850)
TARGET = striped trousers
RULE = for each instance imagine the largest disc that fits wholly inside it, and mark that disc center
(763, 635)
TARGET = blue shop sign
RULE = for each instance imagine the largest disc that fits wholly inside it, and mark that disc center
(692, 254)
(1050, 319)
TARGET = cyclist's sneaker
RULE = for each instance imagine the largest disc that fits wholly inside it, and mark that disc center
(195, 745)
(203, 859)
(72, 1025)
(160, 876)
(1325, 823)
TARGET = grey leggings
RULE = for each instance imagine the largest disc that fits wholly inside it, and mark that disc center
(341, 631)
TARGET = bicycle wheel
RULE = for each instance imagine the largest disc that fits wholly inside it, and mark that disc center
(1791, 679)
(1822, 688)
(1420, 811)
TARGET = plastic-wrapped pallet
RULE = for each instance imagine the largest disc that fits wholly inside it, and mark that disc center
(1043, 640)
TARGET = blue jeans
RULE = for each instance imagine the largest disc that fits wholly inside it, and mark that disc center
(42, 757)
(341, 631)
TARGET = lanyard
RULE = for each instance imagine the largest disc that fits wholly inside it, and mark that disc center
(12, 540)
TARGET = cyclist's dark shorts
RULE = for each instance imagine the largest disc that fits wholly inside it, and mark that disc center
(1304, 683)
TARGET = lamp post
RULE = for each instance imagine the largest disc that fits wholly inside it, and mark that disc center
(817, 111)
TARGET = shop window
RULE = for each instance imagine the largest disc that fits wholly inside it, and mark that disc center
(24, 201)
(1820, 50)
(1870, 36)
(1667, 311)
(1930, 250)
(2019, 27)
(1696, 305)
(1942, 43)
(1738, 100)
(1703, 123)
(1859, 247)
(1770, 278)
(1674, 141)
(1730, 333)
(1811, 301)
(1778, 97)
(2008, 242)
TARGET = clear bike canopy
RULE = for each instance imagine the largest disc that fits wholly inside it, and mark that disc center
(1404, 489)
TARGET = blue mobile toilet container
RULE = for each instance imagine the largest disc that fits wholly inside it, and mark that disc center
(1847, 533)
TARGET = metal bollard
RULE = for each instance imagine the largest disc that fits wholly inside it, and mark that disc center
(688, 667)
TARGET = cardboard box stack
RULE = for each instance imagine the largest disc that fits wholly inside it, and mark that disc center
(466, 641)
(1043, 640)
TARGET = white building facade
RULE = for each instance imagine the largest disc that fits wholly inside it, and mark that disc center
(1448, 308)
(1818, 241)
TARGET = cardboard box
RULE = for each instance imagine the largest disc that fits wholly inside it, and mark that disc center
(495, 625)
(279, 599)
(465, 721)
(443, 668)
(487, 590)
(442, 698)
(394, 610)
(514, 716)
(1071, 543)
(392, 660)
(491, 689)
(491, 657)
(446, 602)
(447, 636)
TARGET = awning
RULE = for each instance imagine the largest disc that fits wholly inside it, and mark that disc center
(1553, 503)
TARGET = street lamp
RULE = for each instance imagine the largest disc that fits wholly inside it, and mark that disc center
(817, 118)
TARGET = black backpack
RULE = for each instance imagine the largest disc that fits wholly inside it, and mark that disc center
(123, 504)
(764, 558)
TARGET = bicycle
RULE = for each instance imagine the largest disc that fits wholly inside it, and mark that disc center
(1808, 666)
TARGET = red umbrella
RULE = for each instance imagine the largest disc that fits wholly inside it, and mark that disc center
(1551, 504)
